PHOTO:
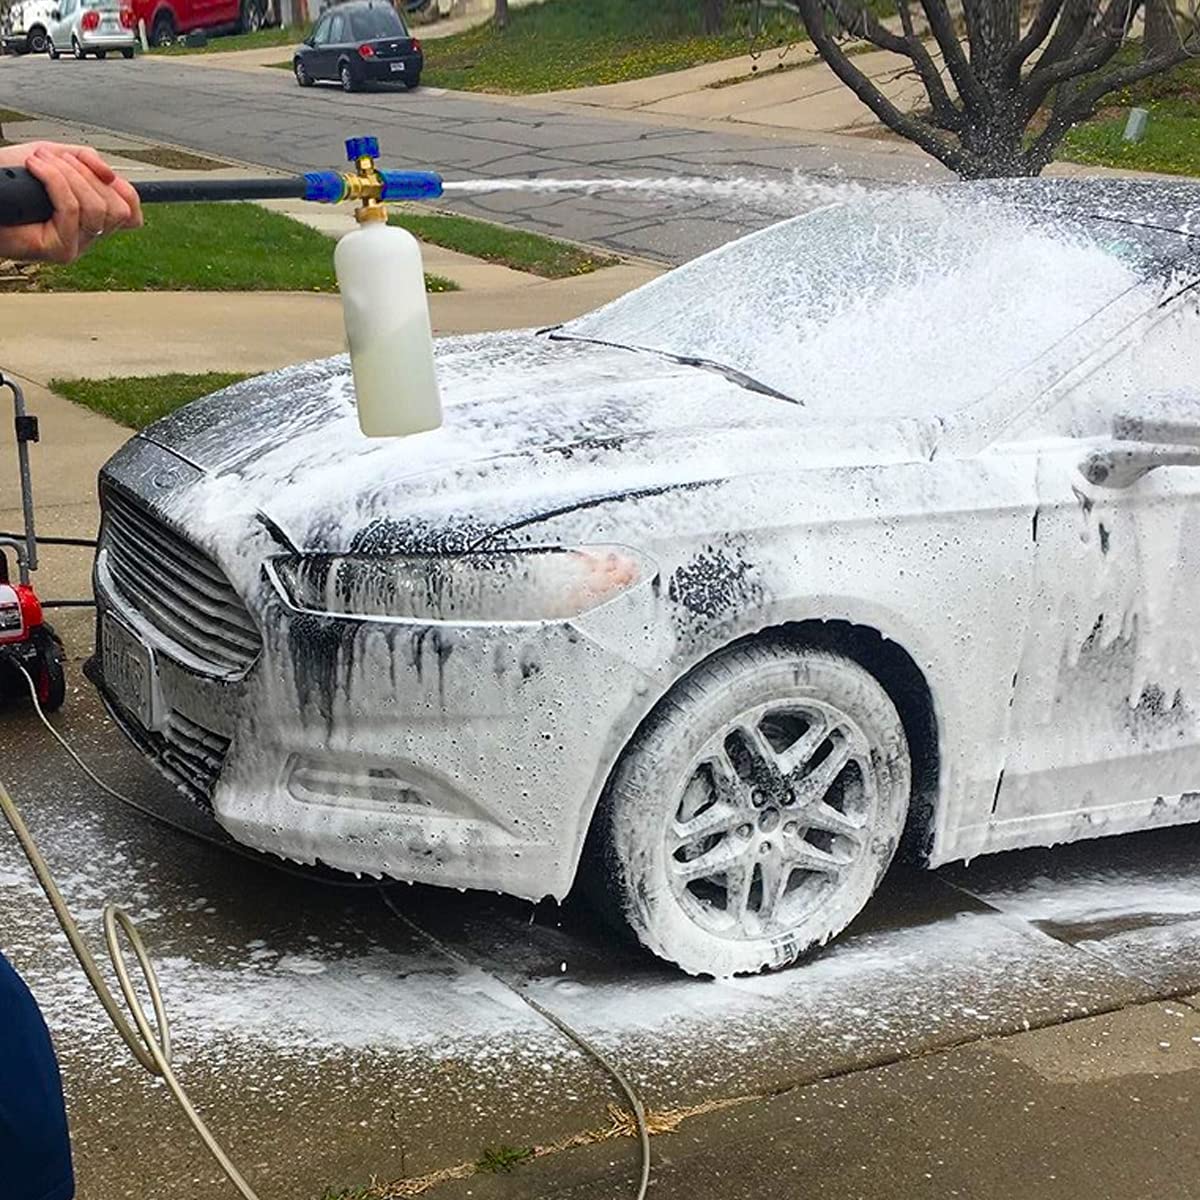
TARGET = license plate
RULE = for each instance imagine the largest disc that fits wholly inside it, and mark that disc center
(128, 671)
(397, 66)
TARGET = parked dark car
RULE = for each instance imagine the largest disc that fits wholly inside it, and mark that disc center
(362, 42)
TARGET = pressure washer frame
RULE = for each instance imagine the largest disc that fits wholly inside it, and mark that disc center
(31, 643)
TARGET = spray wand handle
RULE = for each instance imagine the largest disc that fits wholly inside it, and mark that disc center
(23, 199)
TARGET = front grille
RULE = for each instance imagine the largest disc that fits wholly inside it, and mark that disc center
(177, 589)
(189, 755)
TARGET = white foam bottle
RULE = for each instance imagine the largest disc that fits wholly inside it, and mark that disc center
(382, 281)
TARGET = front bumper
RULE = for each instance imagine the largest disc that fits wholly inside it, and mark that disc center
(465, 755)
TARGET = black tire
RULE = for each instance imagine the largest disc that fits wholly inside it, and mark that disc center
(251, 16)
(413, 83)
(50, 50)
(303, 78)
(127, 54)
(101, 53)
(49, 675)
(755, 812)
(163, 31)
(37, 42)
(78, 50)
(346, 75)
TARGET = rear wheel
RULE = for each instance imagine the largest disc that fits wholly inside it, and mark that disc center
(127, 53)
(49, 674)
(77, 50)
(757, 810)
(101, 53)
(163, 31)
(413, 83)
(349, 84)
(38, 41)
(251, 16)
(303, 78)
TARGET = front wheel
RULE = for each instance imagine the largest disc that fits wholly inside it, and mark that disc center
(251, 16)
(38, 41)
(347, 78)
(77, 50)
(50, 50)
(303, 78)
(49, 673)
(757, 810)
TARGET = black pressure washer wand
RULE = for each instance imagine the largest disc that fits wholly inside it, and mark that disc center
(23, 199)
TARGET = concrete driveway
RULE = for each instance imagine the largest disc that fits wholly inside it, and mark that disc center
(331, 1040)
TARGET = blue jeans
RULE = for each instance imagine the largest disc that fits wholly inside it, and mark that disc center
(35, 1150)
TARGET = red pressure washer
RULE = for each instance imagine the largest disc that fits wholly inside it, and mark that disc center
(25, 637)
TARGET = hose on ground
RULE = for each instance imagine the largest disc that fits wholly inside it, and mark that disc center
(151, 1044)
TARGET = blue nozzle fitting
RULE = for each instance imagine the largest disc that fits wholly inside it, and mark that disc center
(325, 187)
(361, 147)
(411, 185)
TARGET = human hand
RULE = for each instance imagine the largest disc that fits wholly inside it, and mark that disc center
(89, 201)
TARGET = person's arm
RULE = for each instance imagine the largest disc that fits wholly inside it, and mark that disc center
(89, 200)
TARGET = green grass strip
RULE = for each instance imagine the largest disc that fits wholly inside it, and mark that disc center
(515, 248)
(138, 401)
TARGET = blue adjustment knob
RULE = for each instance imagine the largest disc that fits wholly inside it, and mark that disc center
(362, 147)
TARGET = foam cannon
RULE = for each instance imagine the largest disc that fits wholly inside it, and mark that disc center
(378, 266)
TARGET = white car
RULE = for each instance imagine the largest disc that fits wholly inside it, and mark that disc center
(881, 525)
(96, 27)
(26, 25)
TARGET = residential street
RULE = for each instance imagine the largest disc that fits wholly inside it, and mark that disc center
(262, 117)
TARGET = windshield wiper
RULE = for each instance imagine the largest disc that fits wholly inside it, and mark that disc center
(687, 360)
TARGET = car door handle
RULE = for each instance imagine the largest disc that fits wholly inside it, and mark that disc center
(1122, 464)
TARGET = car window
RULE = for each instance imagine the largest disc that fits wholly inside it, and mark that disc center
(376, 22)
(320, 34)
(68, 8)
(337, 30)
(863, 310)
(1155, 375)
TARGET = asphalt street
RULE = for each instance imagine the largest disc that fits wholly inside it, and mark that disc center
(264, 118)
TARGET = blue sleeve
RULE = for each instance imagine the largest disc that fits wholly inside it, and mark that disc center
(34, 1145)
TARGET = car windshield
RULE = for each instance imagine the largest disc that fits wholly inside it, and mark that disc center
(898, 304)
(371, 23)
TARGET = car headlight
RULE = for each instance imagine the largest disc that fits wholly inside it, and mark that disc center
(555, 583)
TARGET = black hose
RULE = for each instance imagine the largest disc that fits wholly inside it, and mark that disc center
(68, 603)
(23, 199)
(52, 541)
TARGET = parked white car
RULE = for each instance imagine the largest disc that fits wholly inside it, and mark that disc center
(26, 26)
(91, 27)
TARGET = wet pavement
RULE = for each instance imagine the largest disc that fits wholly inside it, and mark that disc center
(330, 1042)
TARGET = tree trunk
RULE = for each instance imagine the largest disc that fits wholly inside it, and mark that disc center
(714, 16)
(1161, 35)
(501, 14)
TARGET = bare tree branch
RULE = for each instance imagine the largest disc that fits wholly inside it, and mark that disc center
(1035, 35)
(923, 134)
(945, 113)
(941, 24)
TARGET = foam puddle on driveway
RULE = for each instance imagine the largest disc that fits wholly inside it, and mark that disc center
(327, 1042)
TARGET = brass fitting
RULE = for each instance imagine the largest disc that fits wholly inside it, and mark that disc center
(366, 184)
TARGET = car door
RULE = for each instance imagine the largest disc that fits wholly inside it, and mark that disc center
(317, 54)
(1105, 719)
(339, 36)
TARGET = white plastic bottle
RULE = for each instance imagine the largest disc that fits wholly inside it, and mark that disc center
(382, 281)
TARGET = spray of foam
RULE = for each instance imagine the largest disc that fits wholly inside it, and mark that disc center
(795, 192)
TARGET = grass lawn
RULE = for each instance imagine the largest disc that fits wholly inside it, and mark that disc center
(242, 41)
(141, 400)
(514, 248)
(576, 43)
(207, 248)
(1172, 142)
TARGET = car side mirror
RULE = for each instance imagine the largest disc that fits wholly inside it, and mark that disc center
(55, 15)
(1123, 463)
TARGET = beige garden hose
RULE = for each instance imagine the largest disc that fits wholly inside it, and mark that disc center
(151, 1044)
